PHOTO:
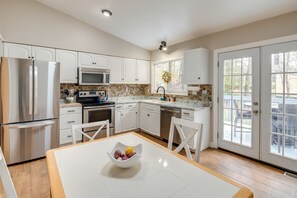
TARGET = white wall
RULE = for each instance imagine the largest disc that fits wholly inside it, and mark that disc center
(30, 22)
(279, 26)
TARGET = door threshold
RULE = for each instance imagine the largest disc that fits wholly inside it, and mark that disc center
(294, 176)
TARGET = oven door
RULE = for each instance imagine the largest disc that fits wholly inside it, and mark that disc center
(96, 114)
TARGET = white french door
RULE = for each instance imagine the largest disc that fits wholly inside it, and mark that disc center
(258, 103)
(279, 105)
(239, 101)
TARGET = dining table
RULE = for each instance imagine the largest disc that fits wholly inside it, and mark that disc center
(85, 170)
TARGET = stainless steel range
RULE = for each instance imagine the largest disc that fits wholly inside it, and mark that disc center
(96, 108)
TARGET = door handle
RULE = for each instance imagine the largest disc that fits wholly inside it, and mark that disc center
(31, 125)
(30, 89)
(35, 89)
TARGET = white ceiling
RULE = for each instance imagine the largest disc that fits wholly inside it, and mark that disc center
(147, 22)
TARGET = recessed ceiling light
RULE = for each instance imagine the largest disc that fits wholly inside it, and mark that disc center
(106, 13)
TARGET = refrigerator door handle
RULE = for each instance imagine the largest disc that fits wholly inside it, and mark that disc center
(35, 89)
(30, 89)
(30, 125)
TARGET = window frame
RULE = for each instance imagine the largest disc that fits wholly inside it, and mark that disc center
(153, 90)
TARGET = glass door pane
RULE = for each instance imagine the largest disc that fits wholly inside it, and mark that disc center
(239, 125)
(279, 109)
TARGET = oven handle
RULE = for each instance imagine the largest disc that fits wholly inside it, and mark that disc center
(100, 108)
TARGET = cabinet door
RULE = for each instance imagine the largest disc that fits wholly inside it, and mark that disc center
(101, 61)
(116, 66)
(129, 120)
(17, 51)
(118, 121)
(155, 127)
(44, 54)
(143, 72)
(68, 65)
(144, 120)
(196, 67)
(86, 60)
(130, 68)
(66, 136)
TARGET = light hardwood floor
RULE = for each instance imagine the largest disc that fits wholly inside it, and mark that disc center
(31, 180)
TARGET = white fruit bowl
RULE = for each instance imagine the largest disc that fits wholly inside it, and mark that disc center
(128, 162)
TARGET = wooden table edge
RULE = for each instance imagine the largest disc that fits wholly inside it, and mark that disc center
(57, 186)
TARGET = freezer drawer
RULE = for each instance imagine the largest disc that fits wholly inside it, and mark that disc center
(31, 140)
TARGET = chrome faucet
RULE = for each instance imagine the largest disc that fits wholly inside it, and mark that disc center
(164, 96)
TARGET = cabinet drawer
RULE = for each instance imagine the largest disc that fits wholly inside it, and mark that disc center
(131, 105)
(187, 114)
(70, 110)
(66, 136)
(155, 108)
(119, 107)
(68, 120)
(151, 107)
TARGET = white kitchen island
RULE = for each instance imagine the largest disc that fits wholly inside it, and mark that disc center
(85, 170)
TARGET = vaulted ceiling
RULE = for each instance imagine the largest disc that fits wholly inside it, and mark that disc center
(147, 22)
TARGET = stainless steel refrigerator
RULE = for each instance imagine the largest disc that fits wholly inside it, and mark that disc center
(29, 94)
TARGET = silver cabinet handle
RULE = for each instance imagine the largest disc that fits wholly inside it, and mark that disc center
(69, 111)
(148, 115)
(35, 89)
(186, 113)
(256, 111)
(69, 136)
(30, 89)
(71, 122)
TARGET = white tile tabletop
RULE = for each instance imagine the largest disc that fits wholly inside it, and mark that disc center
(86, 171)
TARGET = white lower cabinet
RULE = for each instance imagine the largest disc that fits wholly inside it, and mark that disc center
(144, 120)
(129, 119)
(150, 118)
(200, 116)
(68, 117)
(126, 117)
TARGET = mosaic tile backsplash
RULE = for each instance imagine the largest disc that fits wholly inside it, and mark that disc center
(121, 90)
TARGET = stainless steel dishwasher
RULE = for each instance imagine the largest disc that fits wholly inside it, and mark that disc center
(166, 114)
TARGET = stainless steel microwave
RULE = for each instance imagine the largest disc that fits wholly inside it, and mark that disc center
(93, 76)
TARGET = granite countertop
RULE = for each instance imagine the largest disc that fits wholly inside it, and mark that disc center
(186, 104)
(66, 105)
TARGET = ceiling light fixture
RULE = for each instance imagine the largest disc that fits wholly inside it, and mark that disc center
(106, 13)
(163, 46)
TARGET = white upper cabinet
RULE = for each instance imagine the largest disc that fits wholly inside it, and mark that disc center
(130, 67)
(92, 60)
(129, 71)
(143, 72)
(42, 53)
(85, 60)
(116, 66)
(68, 65)
(29, 52)
(101, 61)
(196, 67)
(17, 51)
